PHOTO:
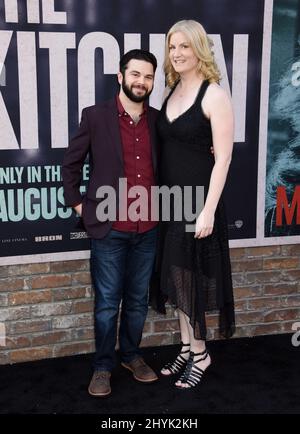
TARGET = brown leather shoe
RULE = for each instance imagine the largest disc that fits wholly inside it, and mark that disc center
(141, 371)
(100, 384)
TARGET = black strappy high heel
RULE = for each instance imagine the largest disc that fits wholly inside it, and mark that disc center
(192, 374)
(178, 364)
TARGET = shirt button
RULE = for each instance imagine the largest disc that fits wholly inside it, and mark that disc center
(131, 122)
(137, 157)
(137, 140)
(139, 176)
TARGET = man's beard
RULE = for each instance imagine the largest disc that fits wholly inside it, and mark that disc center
(135, 98)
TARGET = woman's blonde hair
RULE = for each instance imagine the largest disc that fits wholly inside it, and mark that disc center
(202, 47)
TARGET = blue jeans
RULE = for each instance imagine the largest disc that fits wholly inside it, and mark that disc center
(121, 267)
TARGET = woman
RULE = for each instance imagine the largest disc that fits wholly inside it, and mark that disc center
(195, 267)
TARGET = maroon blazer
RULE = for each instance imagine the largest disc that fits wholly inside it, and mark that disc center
(99, 136)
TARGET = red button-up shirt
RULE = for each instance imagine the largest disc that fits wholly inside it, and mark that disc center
(138, 168)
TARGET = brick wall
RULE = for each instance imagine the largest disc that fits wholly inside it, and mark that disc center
(47, 308)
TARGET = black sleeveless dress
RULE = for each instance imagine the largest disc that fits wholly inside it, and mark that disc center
(194, 274)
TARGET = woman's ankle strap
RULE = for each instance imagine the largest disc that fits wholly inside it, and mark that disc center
(185, 345)
(199, 354)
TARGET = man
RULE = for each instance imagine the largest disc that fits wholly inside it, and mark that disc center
(119, 136)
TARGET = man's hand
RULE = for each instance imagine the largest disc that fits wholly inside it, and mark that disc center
(78, 209)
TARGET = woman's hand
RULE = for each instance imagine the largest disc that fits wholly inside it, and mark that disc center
(204, 224)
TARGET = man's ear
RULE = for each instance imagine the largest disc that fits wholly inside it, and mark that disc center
(120, 77)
